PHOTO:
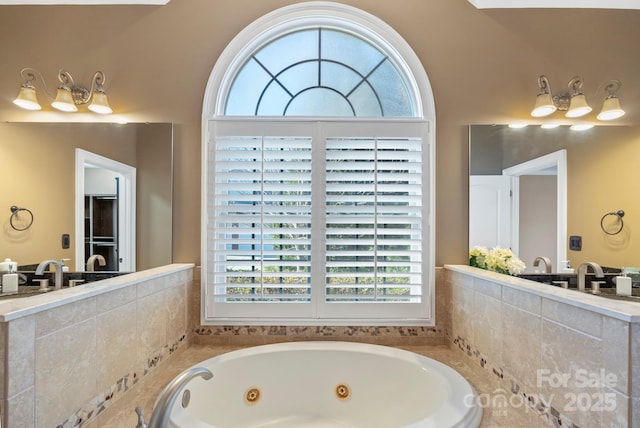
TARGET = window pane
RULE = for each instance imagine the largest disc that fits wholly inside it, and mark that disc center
(246, 90)
(392, 90)
(320, 102)
(345, 48)
(339, 77)
(300, 77)
(289, 49)
(363, 101)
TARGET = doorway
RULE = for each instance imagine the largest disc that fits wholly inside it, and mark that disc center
(118, 207)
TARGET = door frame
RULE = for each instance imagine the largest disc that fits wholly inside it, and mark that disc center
(558, 160)
(126, 209)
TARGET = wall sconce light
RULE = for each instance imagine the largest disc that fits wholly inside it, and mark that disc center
(574, 102)
(69, 94)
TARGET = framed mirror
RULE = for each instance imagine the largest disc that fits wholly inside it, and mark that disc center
(599, 180)
(39, 170)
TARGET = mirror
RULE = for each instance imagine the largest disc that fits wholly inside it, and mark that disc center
(600, 179)
(38, 168)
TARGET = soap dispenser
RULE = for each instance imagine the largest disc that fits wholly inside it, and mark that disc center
(566, 267)
(623, 284)
(65, 268)
(9, 271)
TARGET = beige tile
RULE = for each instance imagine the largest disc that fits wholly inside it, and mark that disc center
(462, 311)
(616, 409)
(116, 345)
(580, 319)
(487, 321)
(20, 411)
(66, 374)
(635, 360)
(176, 304)
(20, 354)
(3, 357)
(520, 299)
(113, 299)
(151, 319)
(193, 301)
(616, 354)
(459, 278)
(489, 288)
(570, 373)
(522, 336)
(635, 413)
(151, 286)
(64, 316)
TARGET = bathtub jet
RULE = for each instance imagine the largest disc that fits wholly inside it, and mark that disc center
(323, 384)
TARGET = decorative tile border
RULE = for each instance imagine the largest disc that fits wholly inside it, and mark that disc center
(399, 334)
(548, 414)
(104, 399)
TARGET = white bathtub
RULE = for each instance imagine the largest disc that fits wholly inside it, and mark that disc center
(326, 384)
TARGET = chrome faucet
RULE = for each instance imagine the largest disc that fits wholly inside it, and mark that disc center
(582, 270)
(57, 279)
(547, 263)
(91, 262)
(169, 395)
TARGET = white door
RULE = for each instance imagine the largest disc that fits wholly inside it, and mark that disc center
(490, 215)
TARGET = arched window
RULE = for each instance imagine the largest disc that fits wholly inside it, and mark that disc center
(319, 72)
(317, 174)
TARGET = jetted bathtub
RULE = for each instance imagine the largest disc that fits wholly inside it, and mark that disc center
(326, 384)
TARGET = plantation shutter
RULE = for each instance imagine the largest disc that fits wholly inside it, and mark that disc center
(262, 222)
(374, 218)
(374, 203)
(325, 220)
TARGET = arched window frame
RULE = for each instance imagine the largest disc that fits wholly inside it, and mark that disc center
(359, 23)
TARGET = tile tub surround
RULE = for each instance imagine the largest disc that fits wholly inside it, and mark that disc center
(69, 355)
(572, 357)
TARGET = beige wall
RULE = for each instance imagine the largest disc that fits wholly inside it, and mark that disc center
(40, 176)
(602, 181)
(154, 180)
(482, 65)
(538, 219)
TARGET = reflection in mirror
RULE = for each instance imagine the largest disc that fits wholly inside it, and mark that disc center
(600, 179)
(38, 173)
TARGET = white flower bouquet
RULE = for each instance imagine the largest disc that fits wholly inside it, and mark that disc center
(501, 260)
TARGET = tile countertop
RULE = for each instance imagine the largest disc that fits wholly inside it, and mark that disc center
(11, 309)
(623, 310)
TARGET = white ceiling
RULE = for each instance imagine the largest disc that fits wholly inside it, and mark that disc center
(586, 4)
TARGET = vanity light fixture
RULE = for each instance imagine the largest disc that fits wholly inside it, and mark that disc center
(573, 102)
(611, 107)
(69, 94)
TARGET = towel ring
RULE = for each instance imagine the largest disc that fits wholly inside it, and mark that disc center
(619, 214)
(14, 216)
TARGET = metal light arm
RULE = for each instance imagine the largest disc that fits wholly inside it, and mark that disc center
(29, 76)
(80, 94)
(562, 100)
